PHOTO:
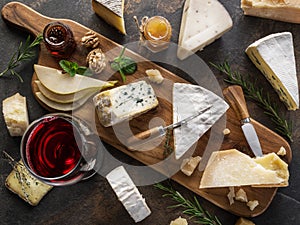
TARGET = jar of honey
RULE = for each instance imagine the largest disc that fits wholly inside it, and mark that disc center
(59, 39)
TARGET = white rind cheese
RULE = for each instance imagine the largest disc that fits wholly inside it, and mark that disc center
(282, 10)
(124, 102)
(188, 100)
(274, 56)
(15, 114)
(203, 21)
(111, 11)
(128, 194)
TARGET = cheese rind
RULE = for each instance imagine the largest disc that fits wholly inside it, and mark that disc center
(128, 194)
(15, 114)
(111, 11)
(233, 168)
(203, 21)
(282, 10)
(274, 56)
(124, 103)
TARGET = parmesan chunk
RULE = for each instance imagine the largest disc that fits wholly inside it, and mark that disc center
(231, 195)
(282, 151)
(243, 221)
(252, 204)
(189, 165)
(155, 76)
(179, 221)
(241, 195)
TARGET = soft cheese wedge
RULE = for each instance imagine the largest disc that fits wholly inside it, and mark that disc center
(188, 100)
(128, 194)
(233, 168)
(274, 56)
(62, 83)
(282, 10)
(203, 21)
(111, 11)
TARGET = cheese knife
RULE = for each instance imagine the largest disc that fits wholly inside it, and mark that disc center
(148, 135)
(235, 97)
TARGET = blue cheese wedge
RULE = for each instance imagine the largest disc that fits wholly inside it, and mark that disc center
(20, 182)
(124, 102)
(128, 194)
(188, 100)
(15, 114)
(203, 21)
(274, 56)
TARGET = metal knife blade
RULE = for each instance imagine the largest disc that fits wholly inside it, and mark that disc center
(252, 138)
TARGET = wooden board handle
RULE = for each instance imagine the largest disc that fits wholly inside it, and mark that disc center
(235, 97)
(24, 17)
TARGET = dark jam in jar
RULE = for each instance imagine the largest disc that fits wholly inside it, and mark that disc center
(59, 39)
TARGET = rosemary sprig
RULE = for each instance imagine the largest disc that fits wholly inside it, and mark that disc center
(284, 127)
(24, 53)
(192, 208)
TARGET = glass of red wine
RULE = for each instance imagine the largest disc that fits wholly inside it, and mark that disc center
(60, 149)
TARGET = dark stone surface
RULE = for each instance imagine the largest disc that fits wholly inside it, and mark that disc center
(93, 201)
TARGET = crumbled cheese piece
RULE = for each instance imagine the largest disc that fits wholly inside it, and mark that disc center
(155, 76)
(241, 195)
(231, 195)
(179, 221)
(226, 131)
(282, 151)
(189, 165)
(252, 204)
(243, 221)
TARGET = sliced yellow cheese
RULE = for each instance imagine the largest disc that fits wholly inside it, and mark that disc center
(111, 11)
(62, 83)
(283, 10)
(233, 168)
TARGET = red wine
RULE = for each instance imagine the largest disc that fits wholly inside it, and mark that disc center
(52, 148)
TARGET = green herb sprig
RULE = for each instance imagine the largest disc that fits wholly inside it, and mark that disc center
(284, 127)
(73, 68)
(24, 53)
(192, 208)
(125, 65)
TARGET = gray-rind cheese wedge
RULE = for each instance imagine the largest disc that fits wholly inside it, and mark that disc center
(282, 10)
(124, 103)
(128, 194)
(188, 99)
(203, 21)
(274, 56)
(112, 12)
(232, 168)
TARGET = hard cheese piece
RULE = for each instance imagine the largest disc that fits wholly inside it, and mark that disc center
(188, 100)
(15, 114)
(128, 194)
(274, 56)
(203, 21)
(189, 165)
(124, 102)
(20, 182)
(111, 11)
(233, 168)
(283, 10)
(243, 221)
(62, 83)
(179, 221)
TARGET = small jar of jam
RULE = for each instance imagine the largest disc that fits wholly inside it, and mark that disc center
(155, 32)
(59, 39)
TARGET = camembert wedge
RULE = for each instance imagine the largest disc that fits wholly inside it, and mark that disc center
(274, 56)
(203, 21)
(233, 168)
(111, 11)
(282, 10)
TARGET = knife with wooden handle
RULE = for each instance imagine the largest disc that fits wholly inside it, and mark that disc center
(235, 97)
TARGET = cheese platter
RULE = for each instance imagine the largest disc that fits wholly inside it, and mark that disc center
(26, 18)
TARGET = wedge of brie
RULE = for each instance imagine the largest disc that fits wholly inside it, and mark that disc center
(189, 99)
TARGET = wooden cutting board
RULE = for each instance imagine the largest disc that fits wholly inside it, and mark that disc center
(27, 19)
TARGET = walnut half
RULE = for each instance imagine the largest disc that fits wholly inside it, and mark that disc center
(90, 40)
(96, 60)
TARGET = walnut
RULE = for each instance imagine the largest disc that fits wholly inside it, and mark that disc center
(96, 60)
(90, 40)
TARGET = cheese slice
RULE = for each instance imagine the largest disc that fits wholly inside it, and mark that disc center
(15, 114)
(282, 10)
(111, 11)
(203, 21)
(188, 100)
(274, 56)
(62, 83)
(233, 168)
(128, 194)
(124, 103)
